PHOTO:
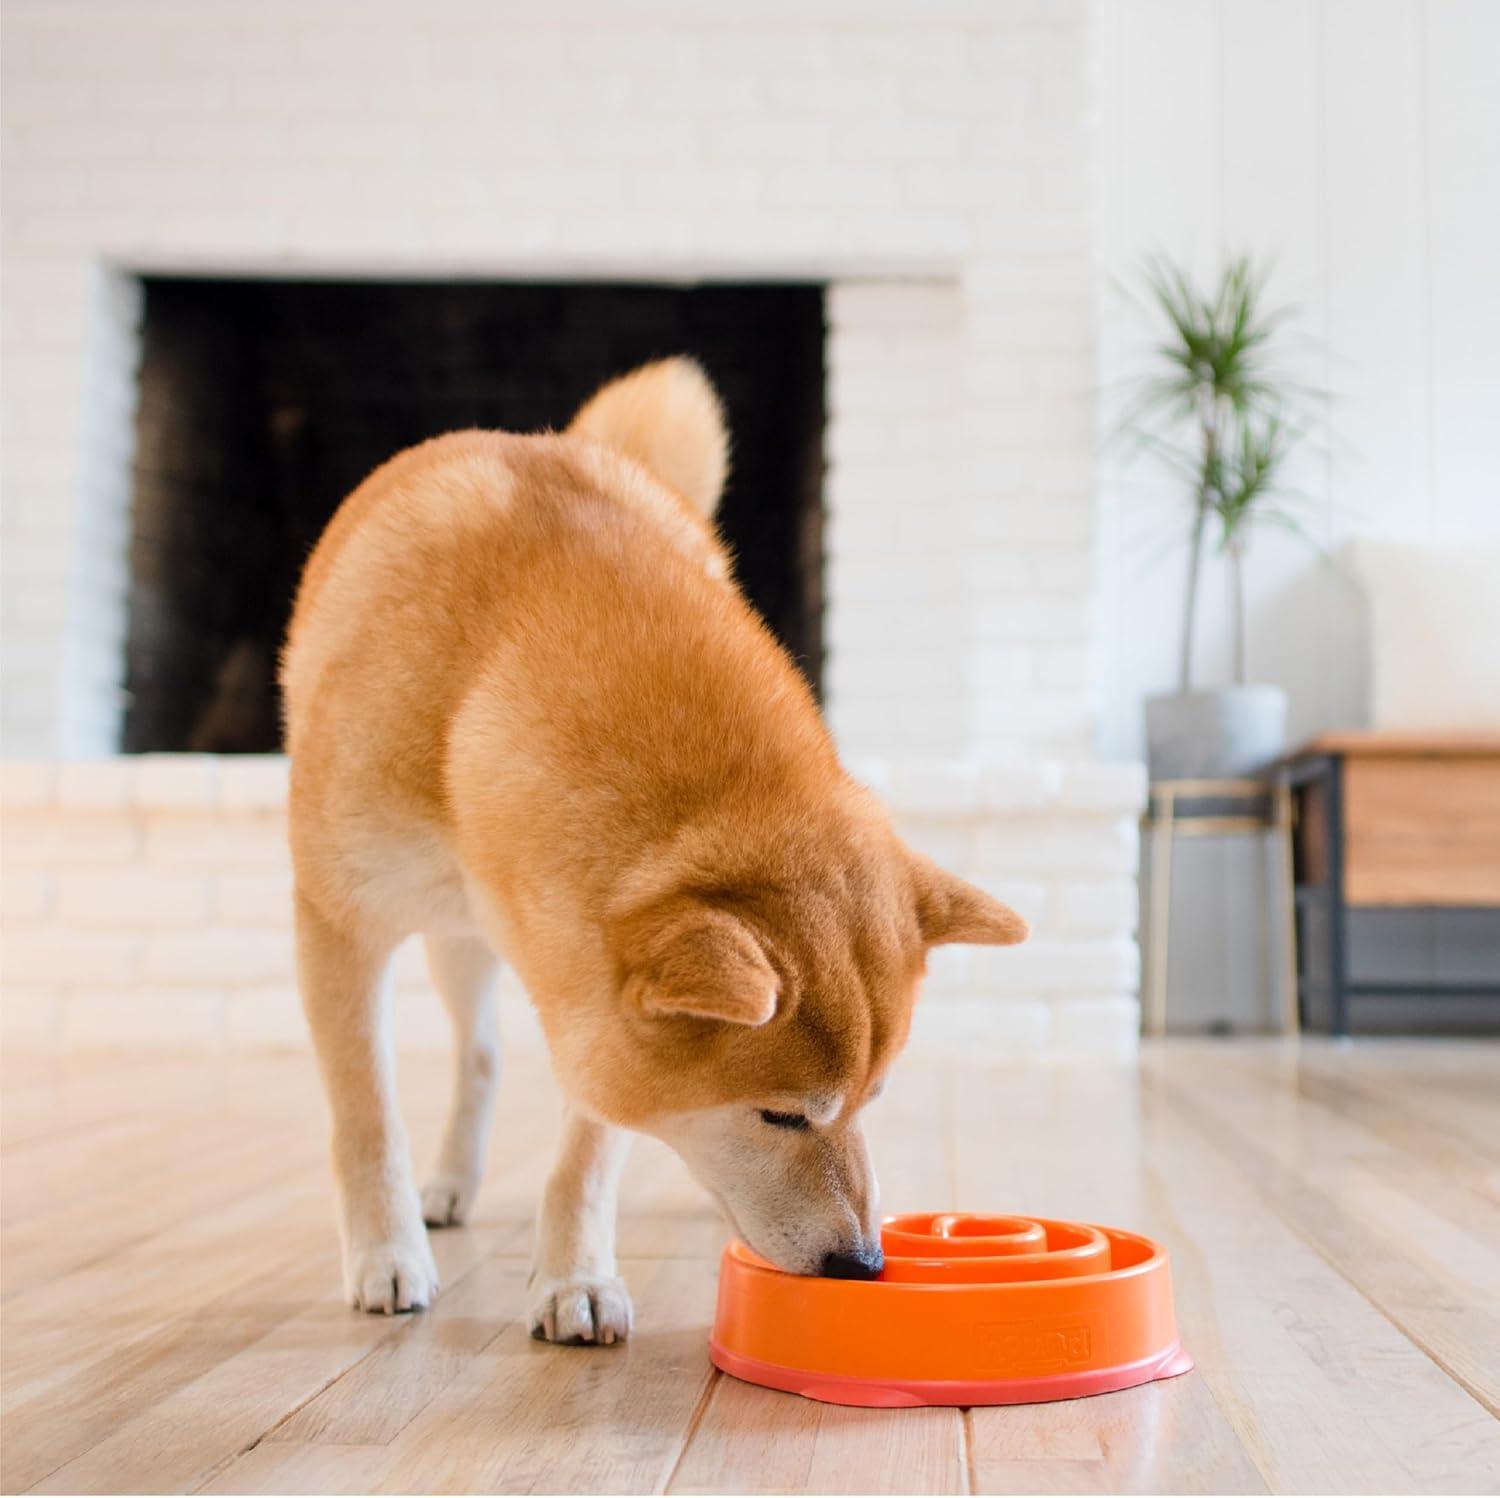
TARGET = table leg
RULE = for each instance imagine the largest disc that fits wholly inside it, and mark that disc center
(1338, 962)
(1161, 911)
(1286, 899)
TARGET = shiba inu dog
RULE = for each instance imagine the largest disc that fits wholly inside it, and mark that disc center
(531, 717)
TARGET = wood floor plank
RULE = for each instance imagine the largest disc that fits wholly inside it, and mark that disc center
(1310, 1387)
(1169, 1437)
(527, 1417)
(299, 1468)
(1453, 1088)
(1325, 1391)
(81, 1315)
(175, 1321)
(753, 1440)
(1434, 1279)
(1072, 1146)
(50, 1095)
(56, 1417)
(178, 1442)
(1429, 1123)
(128, 1203)
(1404, 1175)
(377, 1399)
(209, 1383)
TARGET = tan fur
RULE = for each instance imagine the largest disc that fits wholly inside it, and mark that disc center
(668, 418)
(525, 700)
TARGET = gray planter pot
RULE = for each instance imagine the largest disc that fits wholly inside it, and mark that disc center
(1214, 735)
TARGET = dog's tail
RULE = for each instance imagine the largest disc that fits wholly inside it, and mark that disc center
(667, 416)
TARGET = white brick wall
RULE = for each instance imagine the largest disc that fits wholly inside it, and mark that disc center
(147, 901)
(932, 161)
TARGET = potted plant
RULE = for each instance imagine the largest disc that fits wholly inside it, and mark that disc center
(1216, 412)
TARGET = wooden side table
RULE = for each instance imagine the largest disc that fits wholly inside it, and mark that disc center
(1394, 822)
(1218, 808)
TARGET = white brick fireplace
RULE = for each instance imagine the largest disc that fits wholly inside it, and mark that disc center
(930, 164)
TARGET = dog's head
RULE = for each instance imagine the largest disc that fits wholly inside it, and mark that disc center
(761, 1016)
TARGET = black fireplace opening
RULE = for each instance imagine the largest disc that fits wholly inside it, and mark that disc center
(264, 403)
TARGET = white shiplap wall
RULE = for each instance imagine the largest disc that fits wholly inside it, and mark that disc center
(1358, 143)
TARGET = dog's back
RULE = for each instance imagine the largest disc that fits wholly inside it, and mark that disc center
(489, 609)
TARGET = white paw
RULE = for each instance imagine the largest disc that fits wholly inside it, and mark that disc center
(581, 1310)
(390, 1277)
(446, 1200)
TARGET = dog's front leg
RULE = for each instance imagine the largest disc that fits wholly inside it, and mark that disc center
(576, 1294)
(388, 1264)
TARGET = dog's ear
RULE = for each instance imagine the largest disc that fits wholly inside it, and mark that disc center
(686, 957)
(668, 417)
(950, 909)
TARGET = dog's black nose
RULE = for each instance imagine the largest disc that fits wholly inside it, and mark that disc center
(862, 1264)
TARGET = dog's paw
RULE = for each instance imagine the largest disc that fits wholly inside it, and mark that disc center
(446, 1200)
(389, 1277)
(583, 1310)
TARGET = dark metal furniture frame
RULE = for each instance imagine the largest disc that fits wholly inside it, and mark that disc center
(1326, 771)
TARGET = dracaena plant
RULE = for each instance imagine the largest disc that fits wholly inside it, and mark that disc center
(1215, 408)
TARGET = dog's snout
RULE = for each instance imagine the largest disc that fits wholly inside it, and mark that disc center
(863, 1264)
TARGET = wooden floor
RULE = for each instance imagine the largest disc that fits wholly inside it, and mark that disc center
(171, 1318)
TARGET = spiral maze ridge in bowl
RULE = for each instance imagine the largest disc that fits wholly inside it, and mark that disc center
(968, 1310)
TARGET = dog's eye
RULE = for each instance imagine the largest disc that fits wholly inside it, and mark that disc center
(784, 1120)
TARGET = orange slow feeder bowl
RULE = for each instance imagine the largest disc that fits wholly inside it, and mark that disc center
(968, 1310)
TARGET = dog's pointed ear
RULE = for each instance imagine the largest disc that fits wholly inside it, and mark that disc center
(686, 957)
(950, 909)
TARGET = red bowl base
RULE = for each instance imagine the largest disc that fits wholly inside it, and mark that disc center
(895, 1393)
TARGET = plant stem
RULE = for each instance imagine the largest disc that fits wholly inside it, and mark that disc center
(1237, 587)
(1190, 605)
(1209, 427)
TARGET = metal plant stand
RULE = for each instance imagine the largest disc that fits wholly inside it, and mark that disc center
(1219, 808)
